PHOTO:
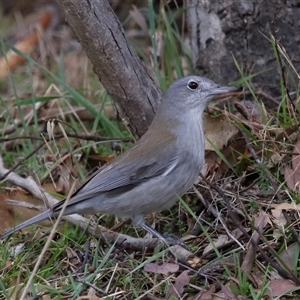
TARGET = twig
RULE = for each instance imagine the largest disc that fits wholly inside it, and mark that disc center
(268, 97)
(281, 271)
(273, 183)
(3, 176)
(17, 203)
(72, 135)
(218, 216)
(250, 256)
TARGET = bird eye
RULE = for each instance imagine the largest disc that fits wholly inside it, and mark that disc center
(192, 85)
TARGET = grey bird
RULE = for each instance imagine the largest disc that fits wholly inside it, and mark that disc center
(157, 170)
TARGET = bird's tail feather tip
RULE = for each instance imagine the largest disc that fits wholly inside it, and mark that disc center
(40, 217)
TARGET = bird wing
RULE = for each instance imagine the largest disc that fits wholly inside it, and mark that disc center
(129, 170)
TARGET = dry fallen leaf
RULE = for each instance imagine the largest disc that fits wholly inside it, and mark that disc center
(289, 254)
(64, 171)
(279, 218)
(21, 213)
(286, 206)
(292, 175)
(218, 131)
(12, 60)
(181, 281)
(279, 287)
(6, 214)
(222, 240)
(233, 153)
(261, 219)
(161, 269)
(205, 295)
(227, 291)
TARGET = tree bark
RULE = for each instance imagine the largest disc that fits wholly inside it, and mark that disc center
(115, 62)
(220, 30)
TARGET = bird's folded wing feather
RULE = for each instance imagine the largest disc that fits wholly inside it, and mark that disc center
(128, 170)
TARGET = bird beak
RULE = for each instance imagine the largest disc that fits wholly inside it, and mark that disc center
(221, 89)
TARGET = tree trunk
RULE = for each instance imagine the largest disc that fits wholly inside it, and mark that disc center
(114, 60)
(220, 30)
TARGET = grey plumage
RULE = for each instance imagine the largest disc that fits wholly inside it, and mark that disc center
(161, 166)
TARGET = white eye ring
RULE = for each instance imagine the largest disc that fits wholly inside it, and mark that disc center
(192, 85)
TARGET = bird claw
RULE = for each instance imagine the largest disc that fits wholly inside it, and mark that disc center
(172, 239)
(169, 239)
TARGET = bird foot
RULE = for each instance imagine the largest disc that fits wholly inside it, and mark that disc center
(169, 239)
(172, 239)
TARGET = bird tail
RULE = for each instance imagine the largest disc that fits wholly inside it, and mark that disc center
(40, 217)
